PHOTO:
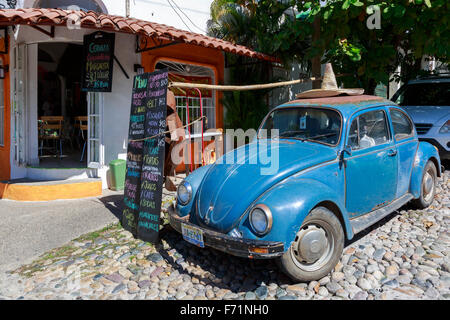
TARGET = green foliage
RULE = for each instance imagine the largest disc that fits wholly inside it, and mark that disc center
(246, 109)
(260, 27)
(409, 30)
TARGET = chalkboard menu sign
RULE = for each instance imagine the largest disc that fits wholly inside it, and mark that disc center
(145, 157)
(98, 64)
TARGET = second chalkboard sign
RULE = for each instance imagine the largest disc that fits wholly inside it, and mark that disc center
(98, 61)
(145, 158)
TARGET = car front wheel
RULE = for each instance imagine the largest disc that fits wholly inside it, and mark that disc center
(317, 247)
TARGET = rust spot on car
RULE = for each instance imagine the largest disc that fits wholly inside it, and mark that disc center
(336, 100)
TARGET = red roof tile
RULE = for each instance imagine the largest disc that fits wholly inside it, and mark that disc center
(90, 19)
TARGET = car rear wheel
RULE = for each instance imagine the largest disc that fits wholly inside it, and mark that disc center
(317, 247)
(428, 186)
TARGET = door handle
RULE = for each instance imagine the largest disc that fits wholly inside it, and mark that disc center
(392, 153)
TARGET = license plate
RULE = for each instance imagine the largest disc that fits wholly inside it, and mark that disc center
(193, 235)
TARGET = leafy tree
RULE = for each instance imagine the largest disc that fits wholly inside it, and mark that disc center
(263, 27)
(409, 30)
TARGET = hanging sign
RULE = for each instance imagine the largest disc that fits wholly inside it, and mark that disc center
(98, 61)
(145, 157)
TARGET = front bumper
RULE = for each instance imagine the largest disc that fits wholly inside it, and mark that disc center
(235, 246)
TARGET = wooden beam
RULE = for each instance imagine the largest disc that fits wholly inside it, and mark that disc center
(239, 88)
(247, 87)
(50, 33)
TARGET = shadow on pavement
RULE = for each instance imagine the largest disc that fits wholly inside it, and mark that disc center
(114, 203)
(217, 268)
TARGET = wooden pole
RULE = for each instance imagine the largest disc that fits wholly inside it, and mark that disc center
(239, 88)
(246, 87)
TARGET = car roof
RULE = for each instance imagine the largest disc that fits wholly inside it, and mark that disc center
(431, 79)
(347, 105)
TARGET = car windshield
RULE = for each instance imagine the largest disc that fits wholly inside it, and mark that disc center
(312, 124)
(424, 94)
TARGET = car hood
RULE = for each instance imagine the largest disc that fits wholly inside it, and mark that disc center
(227, 190)
(428, 114)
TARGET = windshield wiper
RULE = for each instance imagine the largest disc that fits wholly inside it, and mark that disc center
(305, 139)
(290, 132)
(318, 136)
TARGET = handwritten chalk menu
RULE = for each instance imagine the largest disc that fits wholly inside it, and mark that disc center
(145, 157)
(98, 61)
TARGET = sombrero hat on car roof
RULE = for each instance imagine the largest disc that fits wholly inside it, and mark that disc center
(329, 87)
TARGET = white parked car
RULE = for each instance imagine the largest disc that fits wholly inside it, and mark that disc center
(427, 101)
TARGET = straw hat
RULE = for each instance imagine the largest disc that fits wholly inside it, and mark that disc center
(329, 87)
(171, 100)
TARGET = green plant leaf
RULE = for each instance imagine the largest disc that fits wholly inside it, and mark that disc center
(346, 4)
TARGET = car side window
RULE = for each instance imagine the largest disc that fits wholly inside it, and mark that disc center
(401, 124)
(368, 130)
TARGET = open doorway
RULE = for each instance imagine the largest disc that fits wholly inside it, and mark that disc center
(62, 107)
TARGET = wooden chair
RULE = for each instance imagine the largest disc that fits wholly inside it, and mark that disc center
(50, 129)
(81, 122)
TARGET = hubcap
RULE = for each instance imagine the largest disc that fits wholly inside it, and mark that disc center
(312, 247)
(428, 186)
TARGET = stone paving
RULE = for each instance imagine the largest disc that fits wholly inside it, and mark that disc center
(404, 256)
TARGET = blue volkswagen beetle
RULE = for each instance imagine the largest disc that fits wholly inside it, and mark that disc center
(342, 164)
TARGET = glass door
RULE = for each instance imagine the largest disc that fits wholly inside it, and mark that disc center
(95, 148)
(18, 141)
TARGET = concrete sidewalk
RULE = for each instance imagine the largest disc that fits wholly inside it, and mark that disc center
(29, 229)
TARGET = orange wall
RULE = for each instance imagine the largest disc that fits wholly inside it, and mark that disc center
(5, 167)
(195, 55)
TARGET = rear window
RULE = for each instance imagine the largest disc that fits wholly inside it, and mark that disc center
(424, 94)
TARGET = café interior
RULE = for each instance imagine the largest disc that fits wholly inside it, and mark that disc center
(62, 107)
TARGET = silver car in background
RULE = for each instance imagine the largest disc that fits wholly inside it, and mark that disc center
(427, 101)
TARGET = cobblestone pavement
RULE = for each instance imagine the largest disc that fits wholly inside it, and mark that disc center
(404, 256)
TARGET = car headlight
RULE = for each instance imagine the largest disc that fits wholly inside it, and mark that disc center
(445, 128)
(261, 219)
(184, 193)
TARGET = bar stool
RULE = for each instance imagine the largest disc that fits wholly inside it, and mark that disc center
(81, 122)
(55, 124)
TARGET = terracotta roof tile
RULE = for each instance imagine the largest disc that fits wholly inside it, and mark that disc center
(90, 19)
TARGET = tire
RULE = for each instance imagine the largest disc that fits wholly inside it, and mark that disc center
(322, 230)
(427, 186)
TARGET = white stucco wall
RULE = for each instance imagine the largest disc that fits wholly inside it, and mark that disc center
(116, 108)
(117, 104)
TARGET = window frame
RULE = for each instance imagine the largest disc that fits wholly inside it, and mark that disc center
(207, 104)
(356, 117)
(409, 120)
(2, 126)
(341, 129)
(2, 112)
